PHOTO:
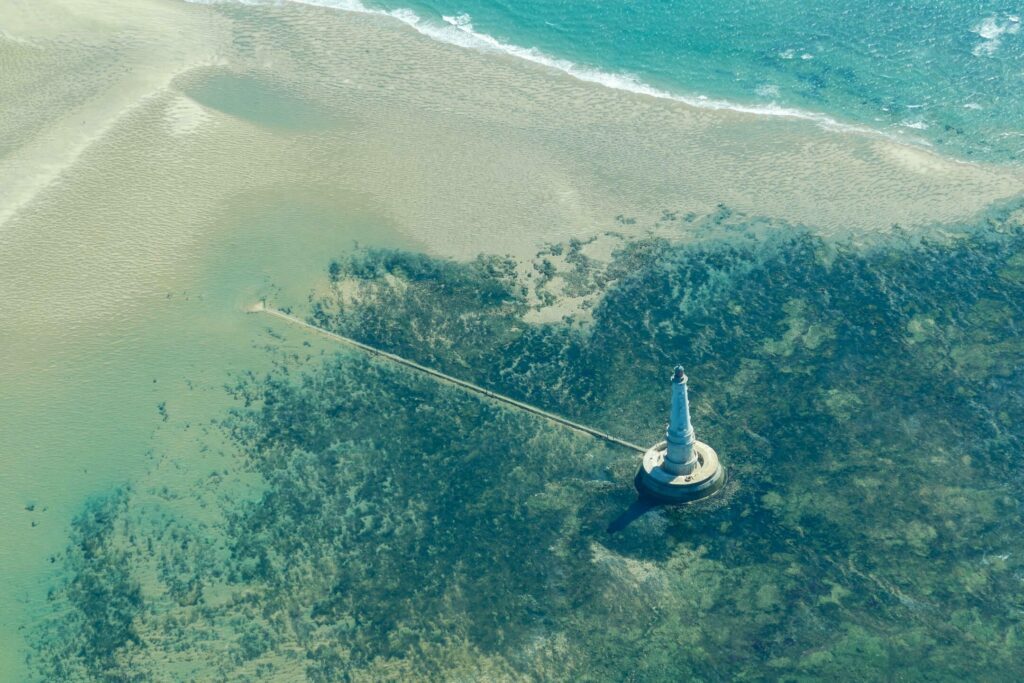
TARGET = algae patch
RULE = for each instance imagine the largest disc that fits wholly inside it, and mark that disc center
(403, 529)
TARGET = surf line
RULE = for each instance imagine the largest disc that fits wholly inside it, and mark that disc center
(262, 307)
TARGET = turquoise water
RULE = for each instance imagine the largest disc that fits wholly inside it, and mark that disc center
(946, 72)
(194, 493)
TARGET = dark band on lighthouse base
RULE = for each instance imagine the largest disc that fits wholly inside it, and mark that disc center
(655, 483)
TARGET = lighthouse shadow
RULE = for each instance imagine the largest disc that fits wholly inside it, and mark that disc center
(637, 509)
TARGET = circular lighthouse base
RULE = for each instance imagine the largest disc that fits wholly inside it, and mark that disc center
(664, 487)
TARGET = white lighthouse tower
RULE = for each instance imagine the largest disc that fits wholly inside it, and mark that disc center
(680, 469)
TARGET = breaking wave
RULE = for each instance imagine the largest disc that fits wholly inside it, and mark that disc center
(458, 30)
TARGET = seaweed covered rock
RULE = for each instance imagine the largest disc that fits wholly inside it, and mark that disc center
(95, 637)
(402, 529)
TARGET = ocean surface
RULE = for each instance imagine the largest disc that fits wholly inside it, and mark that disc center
(816, 209)
(946, 72)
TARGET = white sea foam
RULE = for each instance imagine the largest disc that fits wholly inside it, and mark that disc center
(458, 30)
(992, 30)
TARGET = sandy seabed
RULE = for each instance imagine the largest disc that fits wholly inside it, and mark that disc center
(163, 164)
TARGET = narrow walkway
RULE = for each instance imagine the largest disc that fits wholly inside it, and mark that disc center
(440, 376)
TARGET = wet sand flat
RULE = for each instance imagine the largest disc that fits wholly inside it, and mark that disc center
(164, 164)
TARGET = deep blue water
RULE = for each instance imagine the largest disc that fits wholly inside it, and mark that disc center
(947, 72)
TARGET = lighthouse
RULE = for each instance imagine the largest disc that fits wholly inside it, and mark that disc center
(680, 469)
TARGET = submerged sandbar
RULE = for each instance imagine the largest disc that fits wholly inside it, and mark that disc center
(163, 154)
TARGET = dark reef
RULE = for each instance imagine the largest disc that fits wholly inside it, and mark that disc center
(868, 400)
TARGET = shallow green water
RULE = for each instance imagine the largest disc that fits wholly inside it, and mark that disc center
(866, 400)
(260, 101)
(148, 211)
(88, 407)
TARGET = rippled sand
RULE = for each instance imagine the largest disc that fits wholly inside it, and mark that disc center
(163, 164)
